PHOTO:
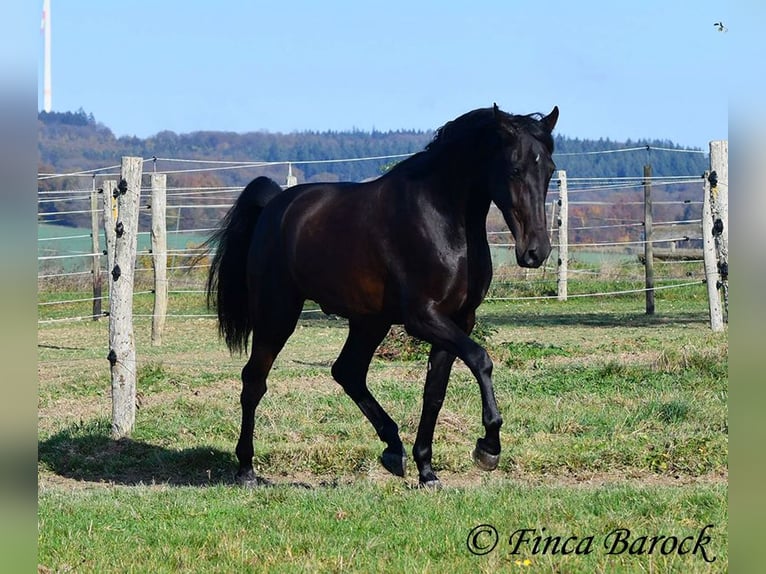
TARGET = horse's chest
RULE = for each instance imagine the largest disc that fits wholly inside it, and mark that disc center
(479, 272)
(466, 283)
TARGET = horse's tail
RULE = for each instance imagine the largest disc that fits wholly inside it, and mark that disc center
(227, 279)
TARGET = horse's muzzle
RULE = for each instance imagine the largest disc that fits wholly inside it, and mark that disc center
(534, 253)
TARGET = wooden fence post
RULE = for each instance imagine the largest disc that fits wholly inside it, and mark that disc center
(178, 228)
(291, 179)
(563, 225)
(96, 250)
(719, 207)
(109, 213)
(709, 257)
(544, 266)
(122, 348)
(110, 220)
(159, 256)
(648, 250)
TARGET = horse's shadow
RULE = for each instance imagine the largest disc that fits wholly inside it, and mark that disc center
(85, 452)
(574, 319)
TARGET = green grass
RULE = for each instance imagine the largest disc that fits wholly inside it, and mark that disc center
(613, 419)
(363, 527)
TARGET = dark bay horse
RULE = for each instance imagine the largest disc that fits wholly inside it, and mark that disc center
(407, 248)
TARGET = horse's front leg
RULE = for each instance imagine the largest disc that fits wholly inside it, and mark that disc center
(439, 330)
(439, 367)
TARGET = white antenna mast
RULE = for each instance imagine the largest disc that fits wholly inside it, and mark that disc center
(47, 94)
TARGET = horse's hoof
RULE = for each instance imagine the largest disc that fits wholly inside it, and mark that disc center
(248, 479)
(393, 462)
(485, 460)
(434, 484)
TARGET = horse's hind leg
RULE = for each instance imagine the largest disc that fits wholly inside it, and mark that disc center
(350, 370)
(272, 331)
(253, 388)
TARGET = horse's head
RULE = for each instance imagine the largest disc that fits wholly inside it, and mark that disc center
(519, 173)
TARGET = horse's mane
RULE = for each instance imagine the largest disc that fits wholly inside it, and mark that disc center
(468, 136)
(486, 121)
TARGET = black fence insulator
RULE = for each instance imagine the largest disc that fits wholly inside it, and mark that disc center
(119, 229)
(112, 357)
(123, 187)
(717, 227)
(116, 272)
(713, 179)
(723, 269)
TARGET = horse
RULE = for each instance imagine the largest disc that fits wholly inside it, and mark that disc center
(408, 248)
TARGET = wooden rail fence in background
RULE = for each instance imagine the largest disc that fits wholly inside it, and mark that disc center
(120, 208)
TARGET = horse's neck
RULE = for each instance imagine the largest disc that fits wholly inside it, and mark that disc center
(467, 206)
(477, 210)
(455, 198)
(476, 222)
(472, 204)
(478, 254)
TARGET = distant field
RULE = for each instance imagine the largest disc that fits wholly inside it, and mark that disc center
(57, 240)
(506, 256)
(62, 240)
(613, 420)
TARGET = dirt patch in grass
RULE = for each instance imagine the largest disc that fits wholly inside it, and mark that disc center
(474, 478)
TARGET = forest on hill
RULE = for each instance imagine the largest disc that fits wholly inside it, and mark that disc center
(69, 142)
(73, 141)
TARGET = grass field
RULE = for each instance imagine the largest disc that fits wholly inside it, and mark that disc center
(59, 241)
(614, 421)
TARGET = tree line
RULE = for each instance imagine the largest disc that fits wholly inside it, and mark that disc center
(75, 141)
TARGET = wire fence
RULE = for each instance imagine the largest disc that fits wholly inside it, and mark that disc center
(606, 237)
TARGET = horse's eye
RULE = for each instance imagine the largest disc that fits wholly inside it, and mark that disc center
(515, 172)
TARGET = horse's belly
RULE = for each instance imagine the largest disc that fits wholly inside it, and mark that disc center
(341, 289)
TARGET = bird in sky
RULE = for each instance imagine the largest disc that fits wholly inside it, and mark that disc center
(720, 27)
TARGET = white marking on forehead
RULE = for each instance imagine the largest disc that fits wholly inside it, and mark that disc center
(537, 158)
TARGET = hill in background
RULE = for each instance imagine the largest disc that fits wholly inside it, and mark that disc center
(73, 141)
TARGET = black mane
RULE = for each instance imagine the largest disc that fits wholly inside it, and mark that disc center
(475, 125)
(465, 139)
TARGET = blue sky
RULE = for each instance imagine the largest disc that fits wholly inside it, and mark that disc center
(618, 70)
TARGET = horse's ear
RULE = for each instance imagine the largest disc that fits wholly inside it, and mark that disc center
(550, 120)
(495, 110)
